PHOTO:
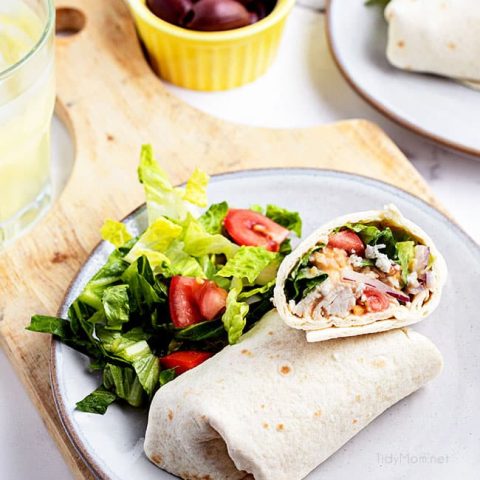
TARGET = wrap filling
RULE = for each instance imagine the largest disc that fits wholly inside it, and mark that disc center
(361, 269)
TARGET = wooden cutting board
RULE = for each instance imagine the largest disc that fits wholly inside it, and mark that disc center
(113, 103)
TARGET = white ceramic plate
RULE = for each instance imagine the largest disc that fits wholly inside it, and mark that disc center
(434, 433)
(440, 109)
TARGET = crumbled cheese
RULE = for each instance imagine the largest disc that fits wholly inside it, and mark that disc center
(359, 290)
(356, 261)
(412, 280)
(372, 251)
(382, 262)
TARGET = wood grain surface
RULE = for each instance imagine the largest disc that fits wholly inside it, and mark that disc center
(112, 103)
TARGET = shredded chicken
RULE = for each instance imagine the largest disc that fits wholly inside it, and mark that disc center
(339, 302)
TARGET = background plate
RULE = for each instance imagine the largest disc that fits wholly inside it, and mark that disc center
(440, 109)
(435, 433)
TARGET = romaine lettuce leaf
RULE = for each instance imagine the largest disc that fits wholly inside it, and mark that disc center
(405, 253)
(163, 199)
(248, 263)
(282, 216)
(212, 219)
(200, 331)
(198, 242)
(285, 218)
(154, 242)
(108, 275)
(167, 376)
(136, 352)
(381, 3)
(145, 293)
(62, 330)
(125, 383)
(196, 188)
(245, 294)
(297, 282)
(182, 263)
(304, 282)
(234, 318)
(116, 306)
(97, 402)
(115, 232)
(372, 235)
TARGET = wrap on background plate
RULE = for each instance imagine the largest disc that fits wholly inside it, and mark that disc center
(435, 36)
(273, 406)
(365, 272)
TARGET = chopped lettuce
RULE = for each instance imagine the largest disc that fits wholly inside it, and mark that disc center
(108, 275)
(285, 218)
(62, 329)
(125, 383)
(122, 318)
(115, 232)
(137, 353)
(167, 376)
(116, 306)
(97, 402)
(198, 242)
(245, 294)
(146, 292)
(201, 331)
(282, 216)
(381, 3)
(405, 254)
(373, 235)
(302, 280)
(212, 219)
(248, 263)
(156, 238)
(182, 263)
(163, 199)
(196, 188)
(234, 318)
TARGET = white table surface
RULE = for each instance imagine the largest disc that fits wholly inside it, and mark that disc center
(302, 88)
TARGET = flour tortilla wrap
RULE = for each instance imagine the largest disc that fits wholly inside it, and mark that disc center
(273, 406)
(435, 36)
(321, 326)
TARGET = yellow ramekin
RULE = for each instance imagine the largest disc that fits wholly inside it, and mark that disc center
(210, 60)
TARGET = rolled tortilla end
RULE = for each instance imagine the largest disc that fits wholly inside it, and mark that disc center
(361, 273)
(435, 36)
(273, 407)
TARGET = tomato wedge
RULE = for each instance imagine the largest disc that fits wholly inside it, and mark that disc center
(184, 310)
(192, 301)
(250, 228)
(348, 241)
(183, 361)
(211, 299)
(376, 301)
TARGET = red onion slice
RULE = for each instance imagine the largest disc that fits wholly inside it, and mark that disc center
(429, 279)
(422, 255)
(352, 276)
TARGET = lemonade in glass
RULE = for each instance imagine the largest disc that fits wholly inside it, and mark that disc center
(27, 96)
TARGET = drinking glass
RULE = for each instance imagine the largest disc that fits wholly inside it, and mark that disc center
(27, 97)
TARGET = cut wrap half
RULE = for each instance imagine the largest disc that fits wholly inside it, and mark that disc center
(361, 273)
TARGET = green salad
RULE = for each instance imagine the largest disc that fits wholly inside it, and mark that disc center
(193, 282)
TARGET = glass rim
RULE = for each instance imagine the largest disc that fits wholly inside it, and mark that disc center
(41, 41)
